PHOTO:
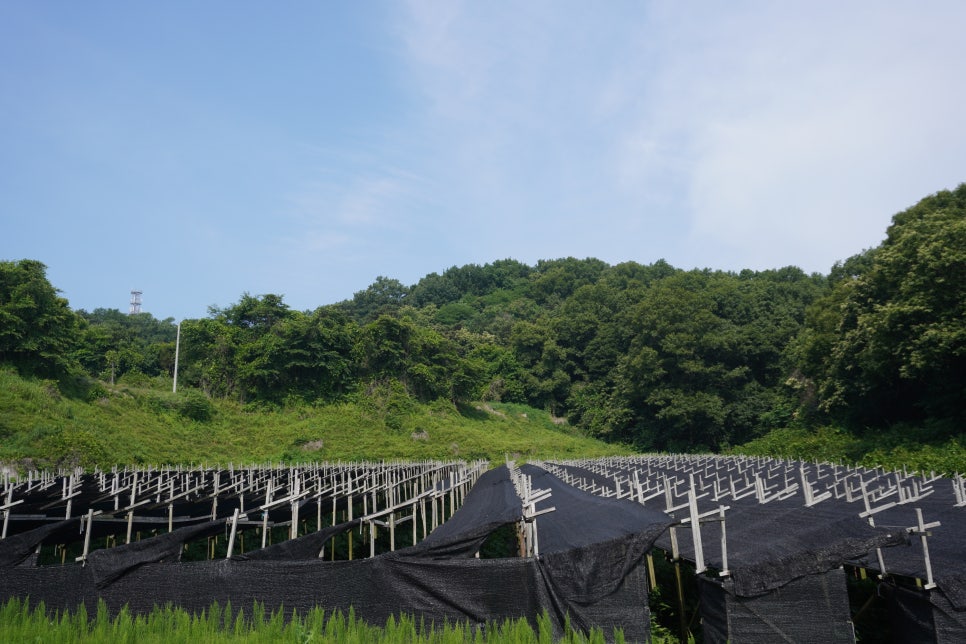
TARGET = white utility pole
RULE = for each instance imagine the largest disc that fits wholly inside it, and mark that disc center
(177, 348)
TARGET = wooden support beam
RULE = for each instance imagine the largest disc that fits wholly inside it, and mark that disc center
(922, 530)
(87, 536)
(234, 531)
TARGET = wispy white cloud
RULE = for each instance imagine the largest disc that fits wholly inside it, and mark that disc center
(357, 202)
(800, 131)
(520, 121)
(773, 134)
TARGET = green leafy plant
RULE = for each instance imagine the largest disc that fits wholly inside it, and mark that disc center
(195, 405)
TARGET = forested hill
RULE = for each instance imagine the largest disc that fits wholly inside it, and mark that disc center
(653, 356)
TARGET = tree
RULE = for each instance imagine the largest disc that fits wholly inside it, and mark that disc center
(435, 289)
(209, 350)
(680, 367)
(698, 360)
(546, 382)
(113, 358)
(38, 330)
(240, 350)
(382, 297)
(384, 348)
(255, 313)
(555, 280)
(422, 360)
(139, 342)
(899, 353)
(317, 354)
(586, 326)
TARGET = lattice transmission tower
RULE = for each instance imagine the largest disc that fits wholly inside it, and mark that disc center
(135, 303)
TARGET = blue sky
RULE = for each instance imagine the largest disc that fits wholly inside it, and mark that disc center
(200, 150)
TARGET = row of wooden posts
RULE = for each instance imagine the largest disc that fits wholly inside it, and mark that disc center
(389, 495)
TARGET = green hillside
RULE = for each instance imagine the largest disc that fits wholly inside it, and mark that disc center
(39, 426)
(865, 363)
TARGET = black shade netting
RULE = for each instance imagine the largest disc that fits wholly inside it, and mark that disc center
(917, 615)
(19, 548)
(109, 564)
(581, 519)
(769, 545)
(432, 590)
(600, 584)
(596, 582)
(490, 504)
(946, 544)
(308, 546)
(813, 608)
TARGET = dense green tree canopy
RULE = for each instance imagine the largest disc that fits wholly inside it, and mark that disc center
(115, 342)
(37, 328)
(898, 352)
(384, 296)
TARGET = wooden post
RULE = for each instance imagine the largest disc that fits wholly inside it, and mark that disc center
(422, 513)
(214, 497)
(87, 537)
(392, 531)
(675, 557)
(650, 571)
(268, 499)
(372, 539)
(294, 528)
(724, 542)
(350, 531)
(682, 617)
(6, 510)
(334, 521)
(695, 528)
(922, 531)
(231, 537)
(134, 490)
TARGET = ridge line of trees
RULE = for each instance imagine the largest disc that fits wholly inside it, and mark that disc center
(651, 355)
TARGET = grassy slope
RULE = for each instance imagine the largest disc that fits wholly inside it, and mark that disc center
(132, 425)
(127, 425)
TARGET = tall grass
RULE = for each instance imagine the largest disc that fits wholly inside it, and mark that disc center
(146, 426)
(19, 622)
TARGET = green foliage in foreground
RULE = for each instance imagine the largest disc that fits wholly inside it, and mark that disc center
(21, 623)
(40, 427)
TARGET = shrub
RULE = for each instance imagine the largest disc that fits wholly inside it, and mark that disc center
(134, 378)
(824, 444)
(95, 392)
(196, 406)
(161, 402)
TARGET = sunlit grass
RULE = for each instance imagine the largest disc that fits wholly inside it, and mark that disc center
(143, 426)
(20, 622)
